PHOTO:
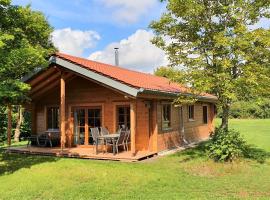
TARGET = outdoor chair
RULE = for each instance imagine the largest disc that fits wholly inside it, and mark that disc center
(124, 127)
(32, 140)
(95, 134)
(127, 139)
(119, 142)
(40, 140)
(104, 131)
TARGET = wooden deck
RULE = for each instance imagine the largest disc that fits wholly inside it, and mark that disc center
(81, 152)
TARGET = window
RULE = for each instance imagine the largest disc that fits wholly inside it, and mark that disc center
(94, 117)
(123, 116)
(205, 114)
(166, 116)
(94, 120)
(79, 119)
(53, 118)
(84, 117)
(191, 112)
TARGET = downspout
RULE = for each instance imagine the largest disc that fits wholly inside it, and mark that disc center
(182, 128)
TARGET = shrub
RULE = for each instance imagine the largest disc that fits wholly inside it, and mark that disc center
(26, 125)
(226, 145)
(256, 108)
(3, 123)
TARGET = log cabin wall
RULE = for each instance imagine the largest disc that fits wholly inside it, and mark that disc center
(171, 137)
(194, 130)
(82, 92)
(149, 133)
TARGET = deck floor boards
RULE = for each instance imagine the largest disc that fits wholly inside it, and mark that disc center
(81, 152)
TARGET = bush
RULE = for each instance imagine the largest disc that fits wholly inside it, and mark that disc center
(256, 108)
(226, 145)
(3, 123)
(26, 126)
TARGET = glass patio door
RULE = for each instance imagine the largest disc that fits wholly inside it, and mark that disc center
(79, 126)
(84, 119)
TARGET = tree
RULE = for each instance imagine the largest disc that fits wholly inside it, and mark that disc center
(25, 45)
(19, 120)
(169, 72)
(217, 47)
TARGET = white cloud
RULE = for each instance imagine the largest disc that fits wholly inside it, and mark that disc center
(129, 11)
(136, 52)
(74, 42)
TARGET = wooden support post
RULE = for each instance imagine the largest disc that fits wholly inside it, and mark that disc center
(9, 130)
(62, 111)
(133, 127)
(154, 127)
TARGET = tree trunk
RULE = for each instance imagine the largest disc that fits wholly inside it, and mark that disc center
(225, 117)
(9, 129)
(19, 122)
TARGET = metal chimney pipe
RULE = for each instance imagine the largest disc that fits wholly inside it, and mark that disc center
(116, 54)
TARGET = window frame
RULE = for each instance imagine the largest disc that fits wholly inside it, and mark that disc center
(169, 127)
(126, 114)
(94, 117)
(191, 118)
(203, 114)
(85, 106)
(47, 117)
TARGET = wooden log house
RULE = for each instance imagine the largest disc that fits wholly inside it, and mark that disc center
(74, 94)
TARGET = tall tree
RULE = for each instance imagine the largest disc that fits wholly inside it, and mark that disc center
(169, 72)
(218, 47)
(19, 122)
(25, 43)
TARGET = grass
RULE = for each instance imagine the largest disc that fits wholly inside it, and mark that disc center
(21, 143)
(184, 175)
(255, 131)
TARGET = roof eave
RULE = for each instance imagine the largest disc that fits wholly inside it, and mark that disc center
(96, 76)
(117, 85)
(176, 94)
(30, 76)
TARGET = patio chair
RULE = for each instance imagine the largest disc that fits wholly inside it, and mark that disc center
(44, 139)
(123, 127)
(104, 131)
(95, 134)
(127, 139)
(40, 140)
(119, 142)
(32, 140)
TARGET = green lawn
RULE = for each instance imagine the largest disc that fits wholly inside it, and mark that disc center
(256, 131)
(185, 175)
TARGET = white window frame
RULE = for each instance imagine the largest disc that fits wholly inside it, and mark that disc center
(193, 118)
(170, 121)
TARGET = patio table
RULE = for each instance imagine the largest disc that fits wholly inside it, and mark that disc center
(50, 135)
(113, 137)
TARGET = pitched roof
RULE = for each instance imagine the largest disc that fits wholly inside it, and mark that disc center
(129, 77)
(126, 76)
(125, 80)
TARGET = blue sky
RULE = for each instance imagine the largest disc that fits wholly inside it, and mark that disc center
(111, 20)
(92, 28)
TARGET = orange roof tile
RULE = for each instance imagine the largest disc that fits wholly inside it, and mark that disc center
(129, 77)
